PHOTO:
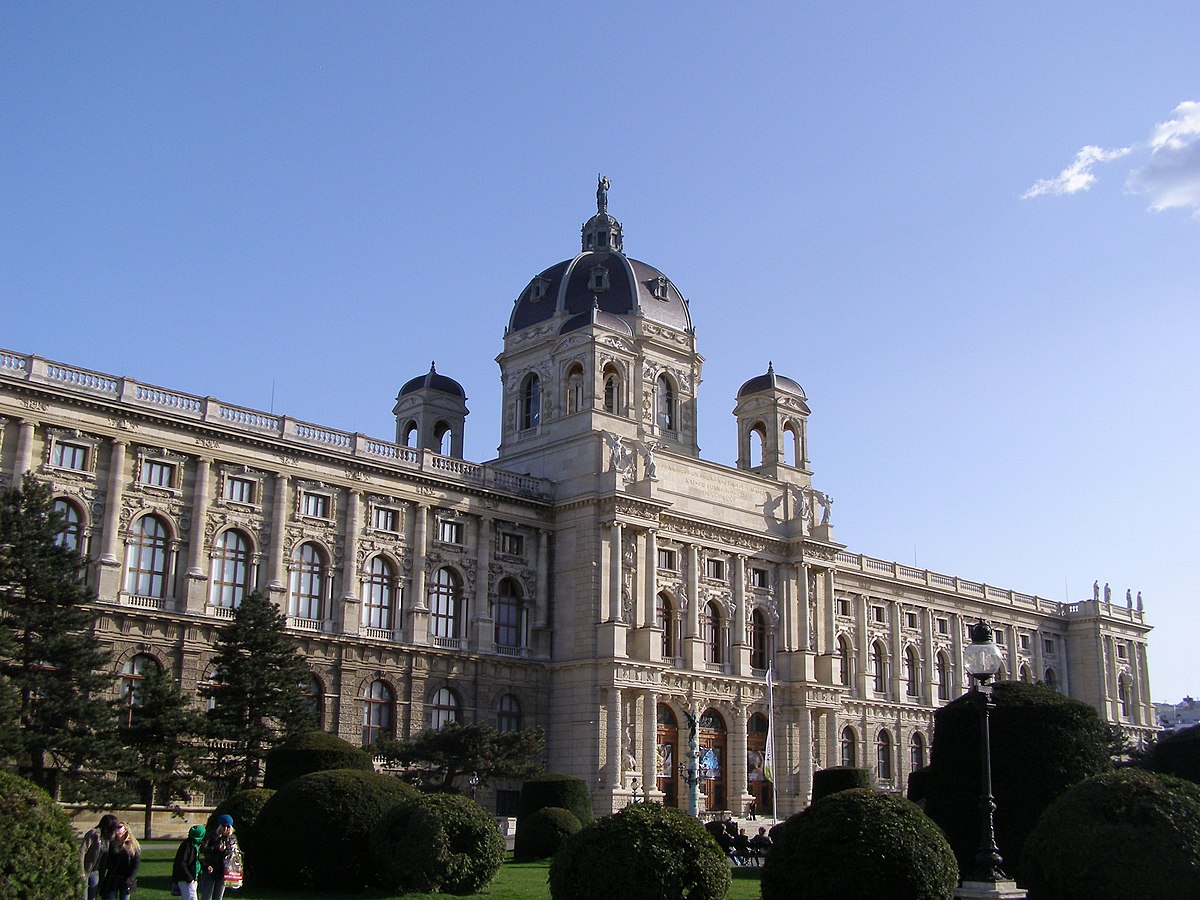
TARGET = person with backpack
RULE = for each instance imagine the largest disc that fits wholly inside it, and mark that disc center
(185, 873)
(92, 852)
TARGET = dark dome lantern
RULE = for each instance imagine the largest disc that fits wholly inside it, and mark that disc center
(436, 382)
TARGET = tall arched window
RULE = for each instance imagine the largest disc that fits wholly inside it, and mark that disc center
(574, 389)
(133, 673)
(912, 673)
(508, 615)
(664, 618)
(442, 434)
(758, 441)
(845, 660)
(943, 677)
(916, 751)
(146, 558)
(408, 434)
(1123, 696)
(379, 594)
(377, 703)
(443, 708)
(508, 714)
(229, 574)
(612, 389)
(445, 605)
(793, 453)
(883, 755)
(664, 404)
(314, 694)
(849, 746)
(1026, 674)
(1051, 680)
(531, 402)
(879, 668)
(306, 588)
(712, 627)
(759, 637)
(70, 532)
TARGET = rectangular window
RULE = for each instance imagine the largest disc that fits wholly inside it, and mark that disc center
(910, 619)
(157, 473)
(667, 559)
(69, 456)
(450, 531)
(715, 569)
(315, 506)
(843, 606)
(240, 490)
(1024, 642)
(760, 578)
(943, 626)
(999, 638)
(878, 614)
(385, 519)
(1122, 652)
(512, 544)
(1048, 647)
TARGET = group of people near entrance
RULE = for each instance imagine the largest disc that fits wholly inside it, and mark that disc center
(737, 846)
(110, 856)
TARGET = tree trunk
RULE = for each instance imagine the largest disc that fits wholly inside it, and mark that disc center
(148, 822)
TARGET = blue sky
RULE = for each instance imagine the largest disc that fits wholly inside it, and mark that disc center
(303, 204)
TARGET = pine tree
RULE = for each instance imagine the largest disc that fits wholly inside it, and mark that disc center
(441, 760)
(54, 674)
(165, 737)
(258, 688)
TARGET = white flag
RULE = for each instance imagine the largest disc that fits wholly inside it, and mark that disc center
(769, 755)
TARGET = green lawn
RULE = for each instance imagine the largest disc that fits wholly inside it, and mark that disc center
(515, 881)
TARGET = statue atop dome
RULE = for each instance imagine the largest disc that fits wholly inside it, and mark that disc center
(602, 186)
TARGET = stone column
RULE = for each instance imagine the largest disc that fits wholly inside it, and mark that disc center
(351, 609)
(110, 562)
(543, 579)
(898, 691)
(958, 671)
(418, 629)
(650, 745)
(804, 725)
(693, 649)
(612, 740)
(484, 637)
(801, 612)
(650, 582)
(1039, 659)
(24, 458)
(739, 649)
(277, 586)
(790, 590)
(197, 578)
(929, 656)
(862, 638)
(614, 574)
(736, 791)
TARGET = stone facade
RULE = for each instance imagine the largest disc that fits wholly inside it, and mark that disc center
(616, 589)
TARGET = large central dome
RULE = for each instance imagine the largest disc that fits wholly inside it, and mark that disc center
(601, 277)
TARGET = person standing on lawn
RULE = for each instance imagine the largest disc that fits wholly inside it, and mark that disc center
(185, 873)
(217, 852)
(92, 852)
(119, 868)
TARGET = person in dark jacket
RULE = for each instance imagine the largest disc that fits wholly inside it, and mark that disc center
(92, 852)
(185, 873)
(118, 869)
(217, 853)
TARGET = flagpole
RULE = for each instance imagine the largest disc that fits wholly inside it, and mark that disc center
(769, 768)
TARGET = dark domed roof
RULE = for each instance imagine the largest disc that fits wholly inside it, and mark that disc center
(771, 381)
(601, 277)
(435, 381)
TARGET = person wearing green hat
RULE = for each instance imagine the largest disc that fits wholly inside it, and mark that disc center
(186, 871)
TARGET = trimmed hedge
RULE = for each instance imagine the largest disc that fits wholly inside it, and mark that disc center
(564, 791)
(859, 844)
(312, 751)
(39, 853)
(1177, 754)
(1125, 834)
(546, 830)
(839, 778)
(643, 852)
(1042, 743)
(244, 808)
(438, 843)
(315, 832)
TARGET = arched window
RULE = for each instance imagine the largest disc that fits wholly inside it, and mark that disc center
(1026, 674)
(70, 532)
(377, 703)
(379, 594)
(531, 402)
(306, 588)
(508, 615)
(508, 714)
(1123, 696)
(1051, 679)
(664, 404)
(441, 436)
(133, 673)
(146, 558)
(612, 389)
(912, 673)
(792, 451)
(759, 635)
(879, 668)
(712, 627)
(574, 389)
(444, 709)
(664, 618)
(229, 574)
(408, 434)
(943, 677)
(849, 747)
(314, 695)
(845, 660)
(883, 755)
(916, 751)
(758, 441)
(445, 605)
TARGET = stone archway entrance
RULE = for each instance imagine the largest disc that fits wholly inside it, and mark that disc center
(668, 756)
(713, 741)
(756, 756)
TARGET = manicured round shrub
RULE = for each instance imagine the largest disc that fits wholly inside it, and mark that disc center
(860, 845)
(443, 843)
(1042, 743)
(1124, 834)
(563, 791)
(839, 778)
(244, 808)
(545, 831)
(315, 832)
(312, 751)
(39, 855)
(643, 852)
(1177, 754)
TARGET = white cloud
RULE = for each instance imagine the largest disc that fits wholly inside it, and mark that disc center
(1078, 175)
(1170, 177)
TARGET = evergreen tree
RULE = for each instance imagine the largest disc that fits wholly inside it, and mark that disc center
(434, 760)
(54, 674)
(164, 735)
(259, 680)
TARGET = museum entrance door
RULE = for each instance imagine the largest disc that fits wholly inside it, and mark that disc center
(713, 741)
(756, 756)
(667, 754)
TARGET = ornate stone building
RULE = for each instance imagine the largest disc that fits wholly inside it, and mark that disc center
(598, 578)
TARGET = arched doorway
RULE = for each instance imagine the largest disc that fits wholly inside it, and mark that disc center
(756, 756)
(713, 742)
(668, 756)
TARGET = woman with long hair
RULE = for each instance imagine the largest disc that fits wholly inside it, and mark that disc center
(118, 871)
